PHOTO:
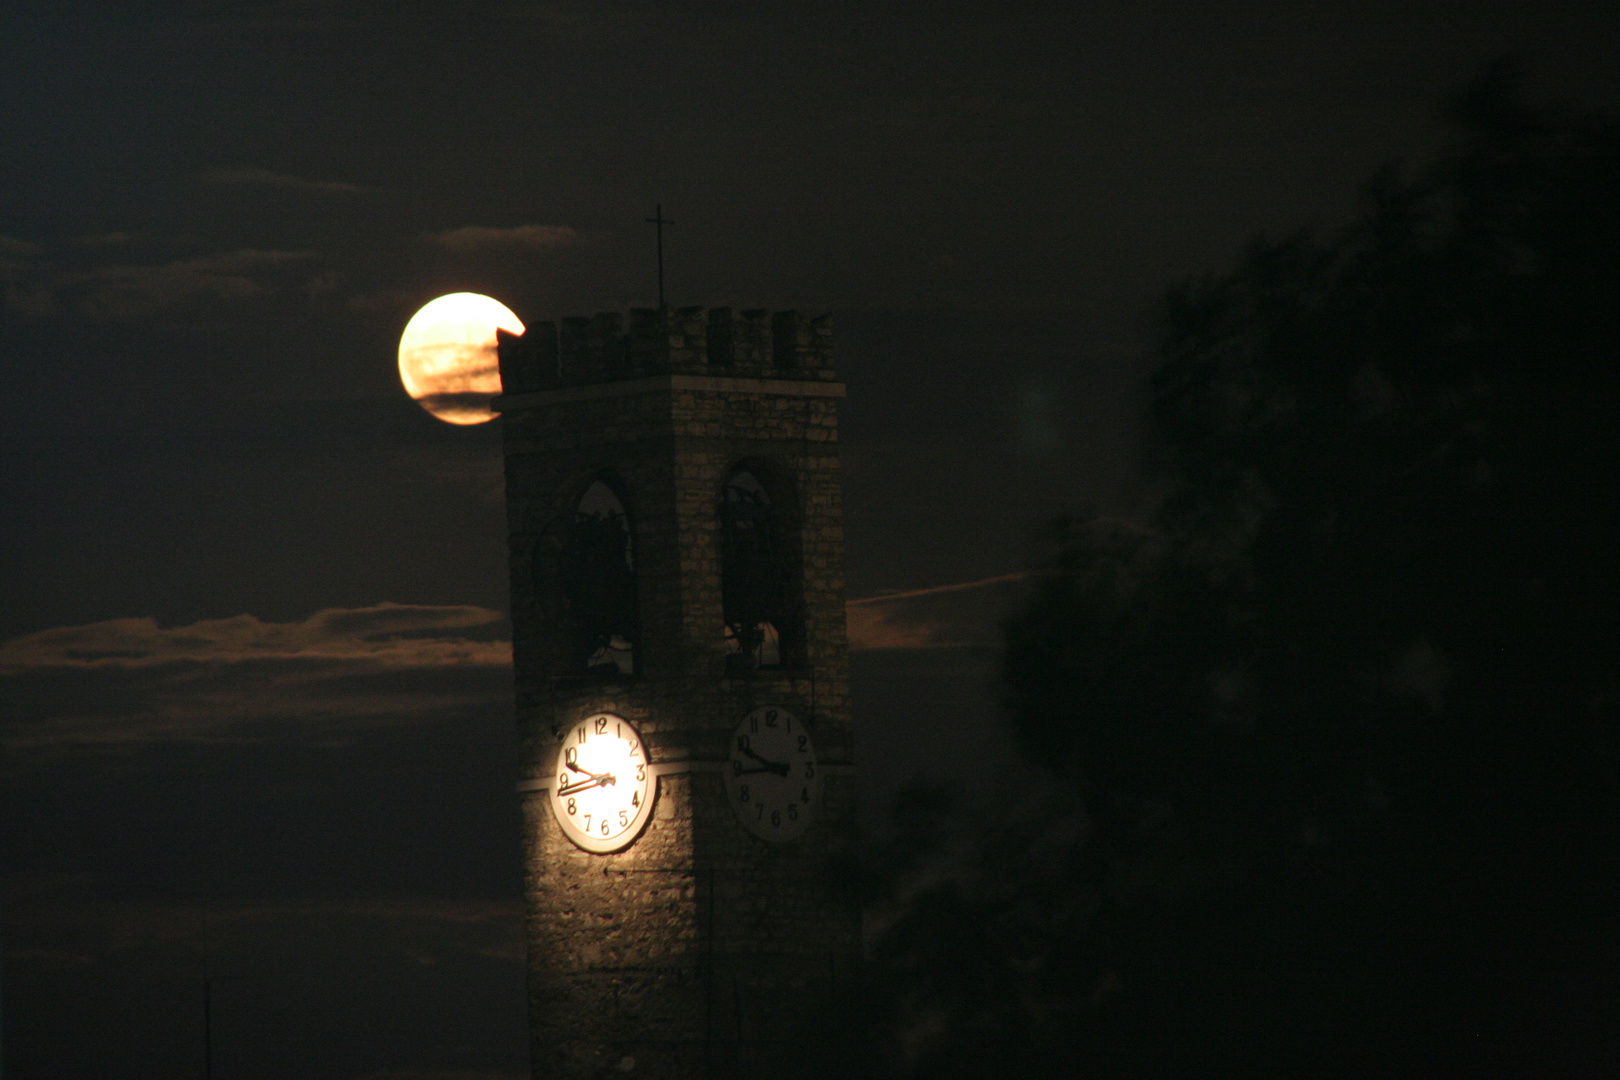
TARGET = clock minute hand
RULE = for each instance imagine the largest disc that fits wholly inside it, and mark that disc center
(596, 780)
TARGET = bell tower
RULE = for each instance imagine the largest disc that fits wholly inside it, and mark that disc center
(682, 691)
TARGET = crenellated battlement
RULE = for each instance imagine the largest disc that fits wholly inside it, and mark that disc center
(660, 341)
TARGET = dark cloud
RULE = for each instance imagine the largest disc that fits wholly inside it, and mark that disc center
(123, 292)
(266, 178)
(39, 288)
(939, 617)
(108, 239)
(535, 237)
(241, 679)
(11, 247)
(164, 934)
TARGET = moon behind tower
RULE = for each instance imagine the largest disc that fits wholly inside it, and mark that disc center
(447, 359)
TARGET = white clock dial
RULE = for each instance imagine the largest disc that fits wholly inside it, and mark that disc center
(771, 776)
(601, 788)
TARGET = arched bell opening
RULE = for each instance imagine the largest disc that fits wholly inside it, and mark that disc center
(597, 577)
(761, 573)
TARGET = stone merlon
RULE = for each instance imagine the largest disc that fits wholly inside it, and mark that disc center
(657, 341)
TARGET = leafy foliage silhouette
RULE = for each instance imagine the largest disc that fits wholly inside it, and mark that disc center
(1340, 723)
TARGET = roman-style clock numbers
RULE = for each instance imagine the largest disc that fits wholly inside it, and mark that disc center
(602, 788)
(771, 774)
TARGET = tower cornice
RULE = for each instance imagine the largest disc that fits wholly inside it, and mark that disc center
(510, 403)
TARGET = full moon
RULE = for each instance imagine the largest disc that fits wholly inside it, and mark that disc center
(447, 356)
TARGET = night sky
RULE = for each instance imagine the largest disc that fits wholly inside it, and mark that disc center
(254, 685)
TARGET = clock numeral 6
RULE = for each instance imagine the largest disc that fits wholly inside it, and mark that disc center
(776, 819)
(604, 827)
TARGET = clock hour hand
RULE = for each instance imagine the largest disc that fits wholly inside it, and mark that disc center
(572, 764)
(769, 766)
(777, 767)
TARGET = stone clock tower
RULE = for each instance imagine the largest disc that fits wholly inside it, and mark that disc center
(682, 692)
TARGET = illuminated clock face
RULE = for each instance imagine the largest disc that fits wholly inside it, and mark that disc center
(601, 789)
(771, 776)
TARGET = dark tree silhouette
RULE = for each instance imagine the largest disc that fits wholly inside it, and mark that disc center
(1342, 719)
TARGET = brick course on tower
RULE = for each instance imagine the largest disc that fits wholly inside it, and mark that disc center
(699, 950)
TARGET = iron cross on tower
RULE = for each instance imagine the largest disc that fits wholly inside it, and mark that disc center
(658, 220)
